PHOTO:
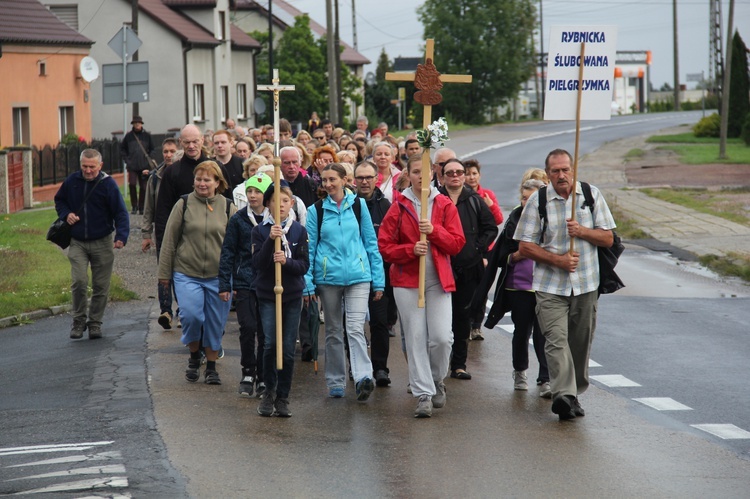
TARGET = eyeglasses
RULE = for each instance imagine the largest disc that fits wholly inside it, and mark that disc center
(368, 178)
(454, 173)
(319, 137)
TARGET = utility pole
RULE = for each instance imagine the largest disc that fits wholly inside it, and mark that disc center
(337, 50)
(134, 26)
(354, 25)
(676, 58)
(542, 66)
(725, 87)
(333, 100)
(716, 59)
(270, 38)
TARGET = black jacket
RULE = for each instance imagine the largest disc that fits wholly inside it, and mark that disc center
(132, 153)
(234, 170)
(478, 226)
(305, 189)
(378, 206)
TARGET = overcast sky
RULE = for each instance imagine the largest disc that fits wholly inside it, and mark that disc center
(642, 25)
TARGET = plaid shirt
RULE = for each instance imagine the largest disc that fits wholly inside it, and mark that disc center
(554, 280)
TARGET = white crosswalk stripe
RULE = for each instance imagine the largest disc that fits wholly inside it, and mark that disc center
(614, 380)
(663, 404)
(724, 431)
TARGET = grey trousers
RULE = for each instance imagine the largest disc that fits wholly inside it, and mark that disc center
(100, 254)
(568, 324)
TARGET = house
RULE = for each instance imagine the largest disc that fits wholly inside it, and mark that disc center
(42, 94)
(250, 15)
(201, 66)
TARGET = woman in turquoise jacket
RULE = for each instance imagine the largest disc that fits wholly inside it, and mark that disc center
(344, 264)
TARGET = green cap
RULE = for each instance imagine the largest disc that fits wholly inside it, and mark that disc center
(259, 181)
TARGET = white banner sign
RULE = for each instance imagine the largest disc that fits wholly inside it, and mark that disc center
(598, 71)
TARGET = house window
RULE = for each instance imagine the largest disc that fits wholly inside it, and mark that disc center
(66, 13)
(224, 104)
(199, 110)
(241, 101)
(222, 34)
(42, 68)
(21, 129)
(67, 123)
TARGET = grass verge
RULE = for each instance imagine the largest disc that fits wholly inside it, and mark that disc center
(733, 264)
(35, 273)
(718, 203)
(704, 154)
(634, 154)
(688, 138)
(625, 227)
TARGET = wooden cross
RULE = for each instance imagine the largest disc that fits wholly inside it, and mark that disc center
(278, 289)
(428, 81)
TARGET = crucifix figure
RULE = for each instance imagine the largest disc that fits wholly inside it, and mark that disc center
(278, 289)
(428, 80)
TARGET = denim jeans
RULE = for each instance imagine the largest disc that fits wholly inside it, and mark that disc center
(355, 299)
(202, 311)
(279, 381)
(251, 357)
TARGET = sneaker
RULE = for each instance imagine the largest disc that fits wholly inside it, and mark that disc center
(265, 408)
(424, 407)
(520, 381)
(246, 386)
(545, 391)
(211, 377)
(281, 407)
(76, 331)
(95, 331)
(563, 407)
(336, 392)
(381, 378)
(221, 352)
(260, 389)
(476, 334)
(192, 373)
(165, 320)
(392, 331)
(321, 317)
(577, 409)
(364, 388)
(438, 400)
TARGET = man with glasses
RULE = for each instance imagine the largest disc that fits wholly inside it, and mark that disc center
(468, 266)
(365, 175)
(442, 155)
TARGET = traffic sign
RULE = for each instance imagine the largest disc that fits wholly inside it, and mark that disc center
(132, 42)
(137, 82)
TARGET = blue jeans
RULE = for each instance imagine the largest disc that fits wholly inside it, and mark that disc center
(275, 380)
(355, 298)
(201, 307)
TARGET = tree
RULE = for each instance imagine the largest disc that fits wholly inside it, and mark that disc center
(378, 96)
(262, 73)
(489, 40)
(739, 88)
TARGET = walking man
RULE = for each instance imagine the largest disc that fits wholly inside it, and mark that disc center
(135, 150)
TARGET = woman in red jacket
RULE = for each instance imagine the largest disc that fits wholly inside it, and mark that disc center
(427, 330)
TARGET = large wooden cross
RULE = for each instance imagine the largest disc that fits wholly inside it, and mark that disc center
(428, 81)
(278, 289)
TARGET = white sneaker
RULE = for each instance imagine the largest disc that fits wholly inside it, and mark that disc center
(545, 391)
(520, 381)
(476, 334)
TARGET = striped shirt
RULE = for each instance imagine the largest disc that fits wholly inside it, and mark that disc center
(551, 279)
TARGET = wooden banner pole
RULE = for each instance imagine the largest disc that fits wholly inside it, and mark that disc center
(578, 139)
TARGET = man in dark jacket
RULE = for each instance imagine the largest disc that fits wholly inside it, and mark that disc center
(468, 266)
(137, 161)
(302, 187)
(366, 174)
(91, 244)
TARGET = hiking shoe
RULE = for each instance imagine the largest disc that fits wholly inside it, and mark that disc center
(476, 334)
(260, 389)
(381, 378)
(424, 407)
(364, 388)
(336, 392)
(246, 386)
(192, 373)
(281, 407)
(265, 408)
(95, 331)
(77, 329)
(520, 381)
(165, 320)
(438, 400)
(545, 391)
(211, 377)
(577, 409)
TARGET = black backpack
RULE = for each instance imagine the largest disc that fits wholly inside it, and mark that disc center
(609, 281)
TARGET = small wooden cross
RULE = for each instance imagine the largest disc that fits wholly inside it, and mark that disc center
(278, 289)
(428, 81)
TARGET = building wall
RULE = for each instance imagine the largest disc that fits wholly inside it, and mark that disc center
(43, 95)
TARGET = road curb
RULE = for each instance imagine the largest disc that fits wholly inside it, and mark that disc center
(20, 319)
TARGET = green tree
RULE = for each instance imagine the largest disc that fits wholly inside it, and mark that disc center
(350, 84)
(489, 40)
(378, 97)
(262, 74)
(739, 88)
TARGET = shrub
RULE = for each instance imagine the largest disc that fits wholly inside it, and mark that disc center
(708, 126)
(70, 139)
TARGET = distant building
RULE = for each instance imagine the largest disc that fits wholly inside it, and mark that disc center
(42, 95)
(201, 66)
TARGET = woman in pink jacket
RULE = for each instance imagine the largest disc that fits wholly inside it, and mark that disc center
(427, 330)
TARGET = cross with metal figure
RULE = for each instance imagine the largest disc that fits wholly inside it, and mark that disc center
(428, 81)
(278, 289)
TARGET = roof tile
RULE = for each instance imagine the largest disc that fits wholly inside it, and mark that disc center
(29, 22)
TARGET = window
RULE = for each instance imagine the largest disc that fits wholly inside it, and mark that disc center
(241, 100)
(222, 34)
(199, 111)
(66, 13)
(67, 123)
(42, 68)
(224, 103)
(21, 129)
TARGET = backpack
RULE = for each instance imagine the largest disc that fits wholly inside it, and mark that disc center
(609, 281)
(356, 207)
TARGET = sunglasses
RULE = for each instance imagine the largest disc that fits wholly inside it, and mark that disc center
(454, 173)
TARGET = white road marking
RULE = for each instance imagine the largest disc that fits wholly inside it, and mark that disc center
(94, 483)
(593, 363)
(53, 446)
(724, 431)
(101, 456)
(614, 380)
(93, 470)
(663, 404)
